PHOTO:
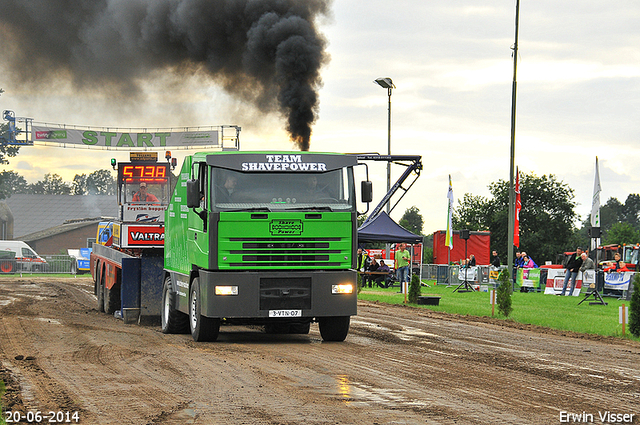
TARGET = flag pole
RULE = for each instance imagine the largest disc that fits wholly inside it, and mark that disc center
(449, 234)
(512, 155)
(595, 210)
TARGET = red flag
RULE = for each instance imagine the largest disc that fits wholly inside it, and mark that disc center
(516, 226)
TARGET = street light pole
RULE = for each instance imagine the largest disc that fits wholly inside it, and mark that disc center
(387, 83)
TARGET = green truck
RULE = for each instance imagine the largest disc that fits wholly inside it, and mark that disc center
(261, 238)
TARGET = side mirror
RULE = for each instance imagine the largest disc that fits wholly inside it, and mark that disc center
(193, 193)
(366, 190)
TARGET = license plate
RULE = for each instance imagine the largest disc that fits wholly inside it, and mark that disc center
(285, 313)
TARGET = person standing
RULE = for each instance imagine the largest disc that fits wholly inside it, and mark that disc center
(495, 262)
(571, 272)
(402, 258)
(363, 260)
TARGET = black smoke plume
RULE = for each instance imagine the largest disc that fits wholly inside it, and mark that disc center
(266, 51)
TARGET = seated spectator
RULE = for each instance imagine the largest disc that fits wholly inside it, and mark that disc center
(372, 267)
(616, 266)
(381, 280)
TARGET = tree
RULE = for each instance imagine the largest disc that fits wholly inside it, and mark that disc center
(634, 308)
(361, 219)
(79, 185)
(414, 289)
(51, 185)
(546, 218)
(412, 220)
(621, 233)
(503, 293)
(12, 182)
(101, 182)
(6, 151)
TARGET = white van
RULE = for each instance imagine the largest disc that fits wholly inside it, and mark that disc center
(17, 256)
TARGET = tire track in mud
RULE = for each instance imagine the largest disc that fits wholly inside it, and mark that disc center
(510, 358)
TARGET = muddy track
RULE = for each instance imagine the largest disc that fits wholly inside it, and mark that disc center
(398, 365)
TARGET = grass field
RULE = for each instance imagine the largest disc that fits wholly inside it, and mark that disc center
(533, 308)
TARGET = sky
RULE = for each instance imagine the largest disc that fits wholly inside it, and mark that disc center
(578, 97)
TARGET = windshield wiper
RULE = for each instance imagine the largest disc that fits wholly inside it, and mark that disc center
(267, 209)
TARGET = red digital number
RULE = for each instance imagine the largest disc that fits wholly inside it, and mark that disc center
(127, 171)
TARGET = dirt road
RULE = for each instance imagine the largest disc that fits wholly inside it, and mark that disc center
(398, 366)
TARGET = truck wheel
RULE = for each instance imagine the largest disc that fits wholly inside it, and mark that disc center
(173, 320)
(100, 290)
(202, 328)
(112, 298)
(334, 328)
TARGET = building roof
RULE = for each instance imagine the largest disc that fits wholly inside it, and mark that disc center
(34, 213)
(63, 228)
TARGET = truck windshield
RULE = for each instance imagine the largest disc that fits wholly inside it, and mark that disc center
(140, 192)
(332, 190)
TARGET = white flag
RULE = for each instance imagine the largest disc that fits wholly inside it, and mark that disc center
(449, 235)
(595, 203)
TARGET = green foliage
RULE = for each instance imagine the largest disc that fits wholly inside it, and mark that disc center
(621, 233)
(503, 296)
(634, 308)
(612, 214)
(5, 149)
(101, 182)
(546, 218)
(12, 182)
(412, 220)
(52, 184)
(414, 289)
(79, 185)
(427, 254)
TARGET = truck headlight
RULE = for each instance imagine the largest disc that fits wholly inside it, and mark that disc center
(226, 290)
(343, 288)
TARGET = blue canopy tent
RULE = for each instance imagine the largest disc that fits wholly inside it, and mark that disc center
(384, 229)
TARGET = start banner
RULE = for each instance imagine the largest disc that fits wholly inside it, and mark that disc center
(126, 140)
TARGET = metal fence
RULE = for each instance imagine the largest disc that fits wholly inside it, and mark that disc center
(55, 264)
(445, 274)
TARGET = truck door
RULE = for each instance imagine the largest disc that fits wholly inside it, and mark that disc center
(198, 240)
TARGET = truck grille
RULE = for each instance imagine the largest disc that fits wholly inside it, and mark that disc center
(287, 252)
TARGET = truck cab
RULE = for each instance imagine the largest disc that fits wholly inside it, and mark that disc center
(264, 238)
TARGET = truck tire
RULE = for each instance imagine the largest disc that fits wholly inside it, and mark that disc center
(112, 298)
(173, 320)
(334, 328)
(100, 289)
(202, 328)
